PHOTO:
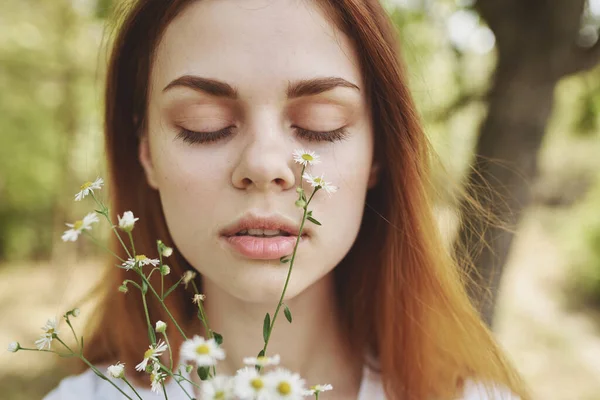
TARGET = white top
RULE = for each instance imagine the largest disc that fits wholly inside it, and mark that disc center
(89, 386)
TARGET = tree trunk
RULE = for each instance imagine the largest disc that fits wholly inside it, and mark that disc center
(536, 47)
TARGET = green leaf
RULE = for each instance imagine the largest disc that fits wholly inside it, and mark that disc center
(261, 353)
(314, 221)
(81, 345)
(266, 327)
(288, 313)
(309, 213)
(144, 287)
(151, 335)
(284, 259)
(168, 292)
(203, 373)
(218, 337)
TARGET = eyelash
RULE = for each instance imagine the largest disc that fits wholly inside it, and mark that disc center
(193, 137)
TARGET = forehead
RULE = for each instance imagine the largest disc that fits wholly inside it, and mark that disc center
(258, 46)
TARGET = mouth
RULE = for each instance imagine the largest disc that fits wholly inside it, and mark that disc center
(263, 238)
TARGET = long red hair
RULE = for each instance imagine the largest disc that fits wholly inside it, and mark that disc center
(401, 294)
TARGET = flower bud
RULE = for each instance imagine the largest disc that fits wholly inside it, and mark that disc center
(165, 270)
(127, 222)
(299, 190)
(161, 327)
(13, 347)
(300, 203)
(123, 288)
(117, 371)
(189, 368)
(75, 312)
(187, 277)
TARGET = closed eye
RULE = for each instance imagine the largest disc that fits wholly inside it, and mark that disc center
(193, 137)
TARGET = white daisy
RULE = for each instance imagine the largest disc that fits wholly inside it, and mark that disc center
(13, 347)
(116, 371)
(140, 260)
(203, 352)
(154, 351)
(218, 388)
(88, 187)
(127, 222)
(156, 378)
(317, 389)
(50, 332)
(262, 361)
(249, 384)
(306, 157)
(319, 181)
(85, 224)
(284, 384)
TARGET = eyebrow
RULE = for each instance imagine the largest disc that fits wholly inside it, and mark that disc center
(296, 89)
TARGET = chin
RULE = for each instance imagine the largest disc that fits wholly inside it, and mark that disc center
(265, 286)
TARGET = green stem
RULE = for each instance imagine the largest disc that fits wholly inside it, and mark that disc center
(105, 213)
(132, 388)
(169, 347)
(150, 335)
(287, 280)
(72, 330)
(185, 379)
(162, 278)
(179, 383)
(102, 246)
(100, 374)
(165, 307)
(46, 351)
(132, 245)
(165, 391)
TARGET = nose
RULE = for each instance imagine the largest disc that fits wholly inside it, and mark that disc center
(265, 163)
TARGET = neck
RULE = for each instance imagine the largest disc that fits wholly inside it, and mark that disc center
(313, 345)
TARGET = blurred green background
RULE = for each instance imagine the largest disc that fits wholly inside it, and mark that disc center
(513, 81)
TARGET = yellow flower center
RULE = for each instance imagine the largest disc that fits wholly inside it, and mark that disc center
(141, 257)
(319, 181)
(261, 359)
(220, 395)
(50, 331)
(284, 388)
(77, 225)
(86, 185)
(202, 349)
(307, 157)
(148, 353)
(257, 383)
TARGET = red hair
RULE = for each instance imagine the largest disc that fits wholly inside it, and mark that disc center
(401, 294)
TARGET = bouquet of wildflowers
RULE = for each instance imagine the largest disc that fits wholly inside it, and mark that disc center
(260, 379)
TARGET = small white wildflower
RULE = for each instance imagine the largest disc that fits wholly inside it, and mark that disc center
(161, 327)
(85, 224)
(152, 354)
(317, 389)
(284, 384)
(50, 333)
(188, 276)
(248, 384)
(218, 388)
(13, 347)
(198, 298)
(262, 361)
(127, 222)
(306, 157)
(319, 181)
(203, 352)
(130, 263)
(117, 371)
(156, 378)
(88, 187)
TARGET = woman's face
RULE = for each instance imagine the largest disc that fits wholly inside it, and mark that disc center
(245, 68)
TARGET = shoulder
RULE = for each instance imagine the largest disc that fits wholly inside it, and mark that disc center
(86, 385)
(477, 390)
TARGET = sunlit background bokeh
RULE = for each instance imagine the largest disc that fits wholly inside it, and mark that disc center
(52, 59)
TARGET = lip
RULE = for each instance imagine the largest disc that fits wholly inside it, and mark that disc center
(263, 248)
